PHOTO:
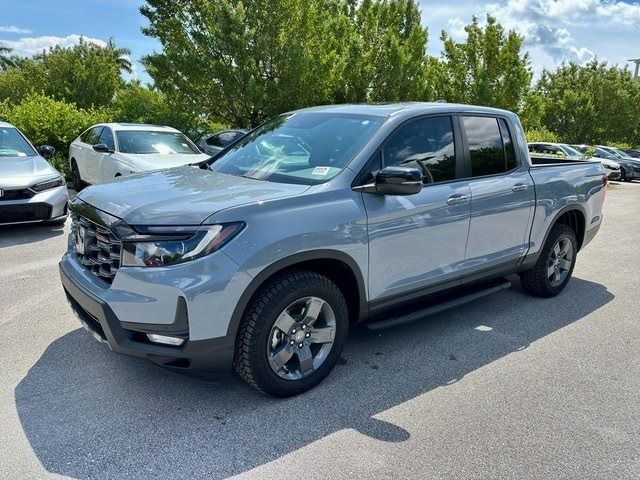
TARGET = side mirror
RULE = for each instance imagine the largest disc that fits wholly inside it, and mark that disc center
(102, 148)
(46, 151)
(398, 181)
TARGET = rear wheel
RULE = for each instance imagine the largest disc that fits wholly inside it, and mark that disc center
(76, 181)
(292, 334)
(554, 267)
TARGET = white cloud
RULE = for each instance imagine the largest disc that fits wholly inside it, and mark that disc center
(13, 29)
(29, 46)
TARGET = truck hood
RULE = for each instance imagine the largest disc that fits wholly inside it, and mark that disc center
(180, 196)
(18, 171)
(156, 161)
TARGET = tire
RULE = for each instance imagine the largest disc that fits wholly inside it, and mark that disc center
(260, 341)
(548, 277)
(76, 181)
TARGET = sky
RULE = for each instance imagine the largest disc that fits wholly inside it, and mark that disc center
(554, 30)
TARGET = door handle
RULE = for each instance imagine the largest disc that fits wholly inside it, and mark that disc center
(457, 199)
(519, 187)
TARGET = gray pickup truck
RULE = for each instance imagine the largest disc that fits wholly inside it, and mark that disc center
(262, 257)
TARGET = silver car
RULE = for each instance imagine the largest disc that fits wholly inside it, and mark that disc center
(31, 190)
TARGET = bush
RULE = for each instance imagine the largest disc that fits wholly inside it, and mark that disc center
(541, 135)
(46, 121)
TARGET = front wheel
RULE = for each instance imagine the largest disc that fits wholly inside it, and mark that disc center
(292, 333)
(554, 267)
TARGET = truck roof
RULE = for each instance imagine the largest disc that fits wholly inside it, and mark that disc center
(413, 108)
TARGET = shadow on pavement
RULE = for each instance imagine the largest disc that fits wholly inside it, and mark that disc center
(90, 413)
(11, 235)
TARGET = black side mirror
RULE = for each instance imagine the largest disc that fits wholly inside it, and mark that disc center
(398, 181)
(102, 148)
(46, 151)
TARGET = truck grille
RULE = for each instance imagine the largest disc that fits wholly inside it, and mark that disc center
(97, 248)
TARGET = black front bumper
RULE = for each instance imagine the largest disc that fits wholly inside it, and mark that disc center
(206, 359)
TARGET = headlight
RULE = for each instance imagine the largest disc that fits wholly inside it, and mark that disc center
(49, 184)
(159, 252)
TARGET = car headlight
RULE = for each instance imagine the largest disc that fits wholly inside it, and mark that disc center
(145, 251)
(48, 185)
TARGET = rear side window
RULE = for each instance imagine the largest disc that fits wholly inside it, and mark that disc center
(426, 144)
(491, 148)
(214, 140)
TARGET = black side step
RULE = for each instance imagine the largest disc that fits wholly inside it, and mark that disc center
(438, 305)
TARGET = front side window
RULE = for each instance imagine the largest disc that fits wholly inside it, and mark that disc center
(155, 142)
(426, 144)
(106, 137)
(306, 148)
(486, 147)
(214, 140)
(92, 136)
(13, 144)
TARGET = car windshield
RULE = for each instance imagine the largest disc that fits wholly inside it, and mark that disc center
(13, 144)
(154, 141)
(601, 152)
(304, 147)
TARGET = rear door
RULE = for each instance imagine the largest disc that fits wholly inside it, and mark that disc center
(418, 241)
(502, 194)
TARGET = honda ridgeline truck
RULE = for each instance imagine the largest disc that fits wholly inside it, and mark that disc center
(263, 256)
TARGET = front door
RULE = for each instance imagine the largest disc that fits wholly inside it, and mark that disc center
(418, 241)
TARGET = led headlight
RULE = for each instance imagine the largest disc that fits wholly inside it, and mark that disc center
(48, 185)
(159, 252)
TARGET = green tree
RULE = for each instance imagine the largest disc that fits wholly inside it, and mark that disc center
(387, 52)
(5, 60)
(594, 103)
(245, 60)
(488, 68)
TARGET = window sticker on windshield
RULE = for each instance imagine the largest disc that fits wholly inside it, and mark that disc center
(320, 171)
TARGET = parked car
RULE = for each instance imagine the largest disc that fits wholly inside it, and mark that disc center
(629, 167)
(31, 190)
(213, 143)
(318, 220)
(611, 167)
(110, 150)
(632, 153)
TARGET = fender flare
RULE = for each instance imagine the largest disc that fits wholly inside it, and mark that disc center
(291, 261)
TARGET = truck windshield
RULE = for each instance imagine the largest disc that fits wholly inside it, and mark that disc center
(305, 147)
(154, 141)
(12, 144)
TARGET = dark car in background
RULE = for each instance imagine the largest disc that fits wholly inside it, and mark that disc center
(632, 153)
(563, 150)
(212, 143)
(629, 167)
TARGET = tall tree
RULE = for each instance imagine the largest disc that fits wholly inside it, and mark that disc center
(246, 60)
(5, 60)
(120, 55)
(387, 52)
(594, 103)
(488, 68)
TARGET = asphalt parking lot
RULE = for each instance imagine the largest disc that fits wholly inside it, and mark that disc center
(543, 389)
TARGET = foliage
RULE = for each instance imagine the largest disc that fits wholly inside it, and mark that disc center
(47, 121)
(86, 74)
(595, 103)
(5, 61)
(540, 135)
(488, 68)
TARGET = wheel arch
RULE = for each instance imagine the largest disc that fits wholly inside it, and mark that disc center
(339, 267)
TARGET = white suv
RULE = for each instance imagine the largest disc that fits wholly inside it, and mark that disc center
(106, 151)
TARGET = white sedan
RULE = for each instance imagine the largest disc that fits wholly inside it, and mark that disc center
(106, 151)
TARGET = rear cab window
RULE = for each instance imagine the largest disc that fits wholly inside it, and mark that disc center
(490, 145)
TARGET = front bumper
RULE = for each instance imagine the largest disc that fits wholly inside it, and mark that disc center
(92, 302)
(50, 205)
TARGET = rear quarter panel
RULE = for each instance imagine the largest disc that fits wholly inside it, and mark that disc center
(561, 187)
